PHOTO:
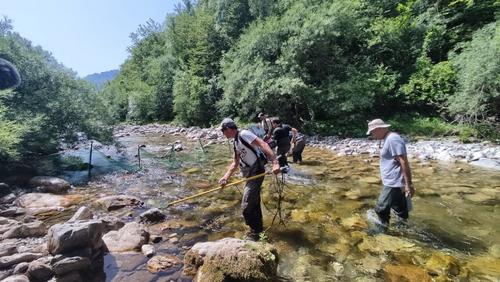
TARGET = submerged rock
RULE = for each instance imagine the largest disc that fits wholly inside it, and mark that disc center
(385, 243)
(355, 222)
(231, 259)
(163, 263)
(440, 264)
(397, 273)
(485, 266)
(119, 201)
(495, 251)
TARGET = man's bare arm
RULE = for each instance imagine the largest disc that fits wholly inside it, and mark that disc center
(269, 153)
(405, 166)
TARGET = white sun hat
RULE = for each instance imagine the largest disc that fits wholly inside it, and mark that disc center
(376, 123)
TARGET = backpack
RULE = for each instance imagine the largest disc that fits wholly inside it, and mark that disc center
(261, 157)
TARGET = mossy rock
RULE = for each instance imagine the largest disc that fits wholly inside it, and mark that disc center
(231, 259)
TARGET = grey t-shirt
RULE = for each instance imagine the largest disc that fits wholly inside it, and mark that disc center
(390, 169)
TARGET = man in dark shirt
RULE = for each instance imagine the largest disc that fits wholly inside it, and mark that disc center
(281, 136)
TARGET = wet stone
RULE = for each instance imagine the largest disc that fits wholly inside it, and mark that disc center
(16, 278)
(162, 263)
(31, 229)
(148, 250)
(7, 249)
(152, 215)
(11, 260)
(21, 268)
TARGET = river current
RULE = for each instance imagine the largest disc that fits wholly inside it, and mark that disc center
(321, 230)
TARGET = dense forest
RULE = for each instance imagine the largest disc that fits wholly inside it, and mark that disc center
(50, 104)
(325, 66)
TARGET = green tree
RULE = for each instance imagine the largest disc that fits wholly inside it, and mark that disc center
(478, 73)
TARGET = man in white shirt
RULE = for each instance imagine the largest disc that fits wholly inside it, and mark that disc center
(248, 150)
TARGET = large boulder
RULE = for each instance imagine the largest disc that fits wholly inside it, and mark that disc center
(71, 236)
(48, 184)
(130, 237)
(231, 259)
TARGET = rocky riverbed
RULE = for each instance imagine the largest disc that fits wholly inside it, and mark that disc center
(484, 154)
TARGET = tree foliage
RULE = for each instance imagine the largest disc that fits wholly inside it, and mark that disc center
(322, 65)
(51, 103)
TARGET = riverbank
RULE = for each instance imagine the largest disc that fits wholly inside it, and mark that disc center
(484, 154)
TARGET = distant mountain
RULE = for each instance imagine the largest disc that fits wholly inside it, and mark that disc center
(100, 79)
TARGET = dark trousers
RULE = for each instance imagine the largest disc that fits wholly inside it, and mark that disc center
(297, 150)
(251, 200)
(281, 151)
(391, 197)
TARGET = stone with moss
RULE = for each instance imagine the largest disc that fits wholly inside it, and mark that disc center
(231, 259)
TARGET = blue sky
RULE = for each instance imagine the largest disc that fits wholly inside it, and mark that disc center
(87, 36)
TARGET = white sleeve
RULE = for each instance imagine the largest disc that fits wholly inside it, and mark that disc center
(248, 136)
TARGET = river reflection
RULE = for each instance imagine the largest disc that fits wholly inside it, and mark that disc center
(453, 233)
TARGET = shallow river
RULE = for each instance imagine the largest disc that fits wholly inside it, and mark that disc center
(322, 234)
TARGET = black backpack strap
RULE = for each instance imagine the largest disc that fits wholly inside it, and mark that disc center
(245, 143)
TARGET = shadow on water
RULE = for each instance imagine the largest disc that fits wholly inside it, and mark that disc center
(439, 238)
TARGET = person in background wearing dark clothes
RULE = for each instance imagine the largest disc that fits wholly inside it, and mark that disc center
(281, 136)
(298, 147)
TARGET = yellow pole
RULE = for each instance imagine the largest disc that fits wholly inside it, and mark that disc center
(215, 189)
